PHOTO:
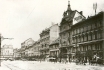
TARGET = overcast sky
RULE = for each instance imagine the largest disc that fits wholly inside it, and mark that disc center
(23, 19)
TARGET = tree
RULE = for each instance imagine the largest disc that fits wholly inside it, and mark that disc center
(89, 54)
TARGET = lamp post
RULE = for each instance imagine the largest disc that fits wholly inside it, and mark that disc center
(2, 38)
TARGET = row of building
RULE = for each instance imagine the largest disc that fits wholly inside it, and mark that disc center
(74, 33)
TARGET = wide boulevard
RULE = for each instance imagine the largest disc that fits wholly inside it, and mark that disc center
(36, 65)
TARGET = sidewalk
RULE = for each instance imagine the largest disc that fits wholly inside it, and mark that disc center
(3, 67)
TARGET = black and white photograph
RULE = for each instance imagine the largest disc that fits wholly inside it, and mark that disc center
(51, 34)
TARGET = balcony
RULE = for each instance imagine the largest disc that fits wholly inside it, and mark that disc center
(45, 48)
(66, 30)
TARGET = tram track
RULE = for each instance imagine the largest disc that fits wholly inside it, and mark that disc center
(12, 67)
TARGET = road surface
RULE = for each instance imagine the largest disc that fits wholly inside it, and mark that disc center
(35, 65)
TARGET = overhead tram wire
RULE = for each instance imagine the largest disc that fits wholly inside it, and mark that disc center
(33, 9)
(31, 12)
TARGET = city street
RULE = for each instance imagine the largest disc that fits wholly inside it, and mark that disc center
(35, 65)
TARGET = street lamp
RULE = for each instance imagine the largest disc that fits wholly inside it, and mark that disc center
(2, 38)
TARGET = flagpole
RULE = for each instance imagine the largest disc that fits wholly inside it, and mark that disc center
(95, 7)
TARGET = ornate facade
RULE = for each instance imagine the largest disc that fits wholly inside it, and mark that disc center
(26, 47)
(47, 37)
(89, 35)
(70, 17)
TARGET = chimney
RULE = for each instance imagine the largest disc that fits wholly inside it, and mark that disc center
(81, 12)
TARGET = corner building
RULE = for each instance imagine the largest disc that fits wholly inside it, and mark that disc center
(69, 18)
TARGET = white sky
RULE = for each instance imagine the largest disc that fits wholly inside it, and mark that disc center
(23, 19)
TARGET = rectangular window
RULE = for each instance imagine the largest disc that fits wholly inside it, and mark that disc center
(93, 47)
(81, 38)
(89, 27)
(81, 30)
(85, 38)
(93, 36)
(82, 48)
(98, 35)
(73, 40)
(84, 28)
(72, 32)
(75, 31)
(89, 37)
(87, 47)
(100, 46)
(99, 24)
(78, 39)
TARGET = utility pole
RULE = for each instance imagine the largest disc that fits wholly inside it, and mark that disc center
(2, 38)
